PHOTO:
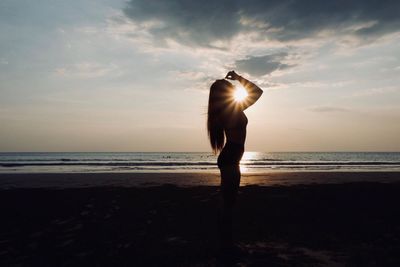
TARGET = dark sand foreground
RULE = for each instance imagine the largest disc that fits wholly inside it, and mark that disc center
(345, 224)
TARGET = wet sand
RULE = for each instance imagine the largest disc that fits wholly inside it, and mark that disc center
(83, 180)
(333, 224)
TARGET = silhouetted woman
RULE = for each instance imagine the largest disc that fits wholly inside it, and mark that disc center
(227, 119)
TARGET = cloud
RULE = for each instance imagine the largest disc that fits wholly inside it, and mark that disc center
(198, 80)
(188, 22)
(86, 70)
(262, 65)
(3, 61)
(329, 109)
(376, 91)
(208, 23)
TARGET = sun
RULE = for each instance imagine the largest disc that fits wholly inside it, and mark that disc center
(240, 94)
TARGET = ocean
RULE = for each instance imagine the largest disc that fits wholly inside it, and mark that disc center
(252, 162)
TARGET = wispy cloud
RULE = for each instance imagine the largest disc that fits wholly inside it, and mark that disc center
(3, 61)
(329, 109)
(86, 70)
(376, 91)
(262, 65)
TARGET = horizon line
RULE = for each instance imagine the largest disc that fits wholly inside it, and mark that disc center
(285, 151)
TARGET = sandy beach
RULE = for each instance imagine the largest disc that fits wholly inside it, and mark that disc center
(282, 219)
(183, 179)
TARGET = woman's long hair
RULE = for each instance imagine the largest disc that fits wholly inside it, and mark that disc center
(217, 106)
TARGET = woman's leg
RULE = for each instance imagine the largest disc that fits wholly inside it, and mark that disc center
(230, 181)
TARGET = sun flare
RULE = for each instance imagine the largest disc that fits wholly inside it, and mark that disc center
(240, 94)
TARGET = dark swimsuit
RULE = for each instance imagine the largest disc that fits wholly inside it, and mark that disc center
(232, 152)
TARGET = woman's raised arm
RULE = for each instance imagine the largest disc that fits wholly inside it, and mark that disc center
(253, 91)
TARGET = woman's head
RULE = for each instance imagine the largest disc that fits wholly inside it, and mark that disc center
(221, 94)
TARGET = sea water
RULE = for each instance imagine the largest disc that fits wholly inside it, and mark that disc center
(29, 162)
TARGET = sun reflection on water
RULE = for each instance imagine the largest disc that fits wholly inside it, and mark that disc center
(248, 156)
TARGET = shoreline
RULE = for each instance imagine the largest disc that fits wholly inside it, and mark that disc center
(85, 180)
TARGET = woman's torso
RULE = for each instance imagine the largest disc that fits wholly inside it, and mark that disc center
(235, 128)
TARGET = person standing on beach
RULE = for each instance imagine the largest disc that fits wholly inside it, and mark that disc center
(226, 119)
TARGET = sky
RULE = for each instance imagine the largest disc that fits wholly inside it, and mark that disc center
(134, 75)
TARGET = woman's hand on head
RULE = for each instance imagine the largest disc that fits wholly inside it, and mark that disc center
(232, 75)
